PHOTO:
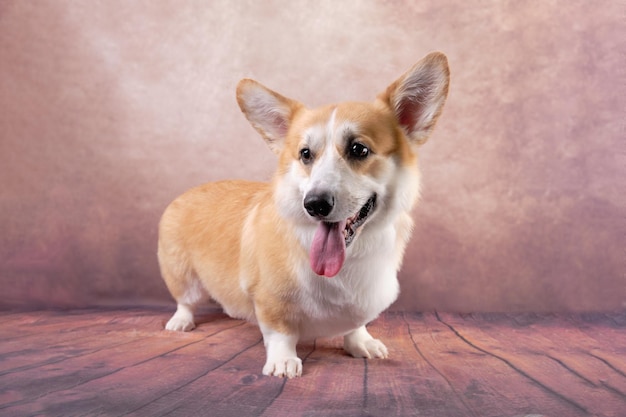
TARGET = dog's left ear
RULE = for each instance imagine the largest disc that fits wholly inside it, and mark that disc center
(418, 96)
(267, 111)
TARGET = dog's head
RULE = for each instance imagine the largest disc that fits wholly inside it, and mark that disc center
(345, 168)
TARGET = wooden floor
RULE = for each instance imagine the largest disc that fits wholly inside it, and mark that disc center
(121, 362)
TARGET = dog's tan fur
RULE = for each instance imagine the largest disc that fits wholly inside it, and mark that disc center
(246, 244)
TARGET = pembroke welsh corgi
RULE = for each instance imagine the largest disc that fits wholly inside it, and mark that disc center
(315, 252)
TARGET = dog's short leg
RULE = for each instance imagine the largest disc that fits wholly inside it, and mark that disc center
(282, 359)
(360, 344)
(182, 320)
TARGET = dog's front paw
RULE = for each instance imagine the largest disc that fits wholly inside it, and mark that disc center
(282, 358)
(286, 367)
(361, 344)
(369, 349)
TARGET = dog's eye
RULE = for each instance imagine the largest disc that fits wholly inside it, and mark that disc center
(305, 155)
(359, 151)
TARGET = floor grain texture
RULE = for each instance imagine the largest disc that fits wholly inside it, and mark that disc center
(121, 362)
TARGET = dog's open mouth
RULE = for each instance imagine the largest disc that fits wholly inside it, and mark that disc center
(328, 249)
(356, 221)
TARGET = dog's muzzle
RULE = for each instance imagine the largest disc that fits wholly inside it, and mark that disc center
(321, 205)
(328, 248)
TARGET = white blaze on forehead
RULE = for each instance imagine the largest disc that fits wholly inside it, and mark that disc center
(338, 130)
(319, 136)
(330, 127)
(325, 174)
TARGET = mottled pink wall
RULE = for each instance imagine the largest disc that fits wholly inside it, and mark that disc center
(109, 109)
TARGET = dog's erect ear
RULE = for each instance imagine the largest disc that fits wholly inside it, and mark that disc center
(268, 112)
(418, 96)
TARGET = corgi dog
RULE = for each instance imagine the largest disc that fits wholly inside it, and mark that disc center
(315, 252)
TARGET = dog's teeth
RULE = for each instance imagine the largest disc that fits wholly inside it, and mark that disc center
(354, 222)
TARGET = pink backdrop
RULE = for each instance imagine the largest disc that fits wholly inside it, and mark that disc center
(109, 109)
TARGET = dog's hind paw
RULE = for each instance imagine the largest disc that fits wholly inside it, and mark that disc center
(287, 367)
(179, 325)
(182, 320)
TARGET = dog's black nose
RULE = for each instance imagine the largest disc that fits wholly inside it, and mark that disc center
(319, 204)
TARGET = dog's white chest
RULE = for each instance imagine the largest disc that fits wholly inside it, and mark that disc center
(365, 287)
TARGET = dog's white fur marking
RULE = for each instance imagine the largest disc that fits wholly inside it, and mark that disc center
(360, 344)
(336, 306)
(247, 245)
(282, 358)
(182, 320)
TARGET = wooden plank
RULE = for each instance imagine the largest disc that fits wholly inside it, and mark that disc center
(36, 386)
(342, 385)
(21, 326)
(606, 347)
(32, 356)
(407, 383)
(488, 386)
(56, 324)
(550, 362)
(334, 377)
(54, 337)
(591, 347)
(232, 388)
(122, 362)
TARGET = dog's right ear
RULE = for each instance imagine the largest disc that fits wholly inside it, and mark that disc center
(267, 111)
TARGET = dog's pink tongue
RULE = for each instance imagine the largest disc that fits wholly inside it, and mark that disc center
(328, 250)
